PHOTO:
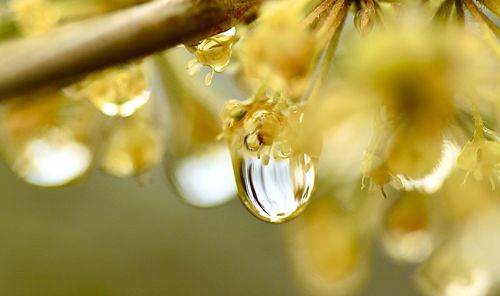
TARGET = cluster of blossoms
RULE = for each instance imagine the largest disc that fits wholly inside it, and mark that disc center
(348, 101)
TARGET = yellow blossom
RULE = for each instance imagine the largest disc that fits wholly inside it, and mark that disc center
(481, 158)
(280, 50)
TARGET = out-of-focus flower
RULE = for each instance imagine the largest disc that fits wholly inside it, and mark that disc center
(35, 17)
(481, 158)
(133, 148)
(329, 251)
(397, 106)
(448, 273)
(119, 91)
(406, 230)
(47, 138)
(412, 73)
(461, 198)
(280, 51)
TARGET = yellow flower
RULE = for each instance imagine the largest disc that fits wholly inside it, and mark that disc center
(265, 126)
(118, 91)
(420, 76)
(35, 16)
(280, 50)
(481, 158)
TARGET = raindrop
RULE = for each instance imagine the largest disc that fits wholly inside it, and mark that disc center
(46, 137)
(197, 164)
(54, 159)
(214, 52)
(203, 178)
(277, 191)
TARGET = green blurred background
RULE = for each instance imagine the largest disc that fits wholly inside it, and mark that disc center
(108, 236)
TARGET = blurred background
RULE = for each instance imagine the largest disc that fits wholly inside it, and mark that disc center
(109, 236)
(134, 236)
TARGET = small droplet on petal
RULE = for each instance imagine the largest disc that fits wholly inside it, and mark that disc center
(214, 52)
(277, 191)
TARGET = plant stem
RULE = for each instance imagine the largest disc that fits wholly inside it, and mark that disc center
(71, 51)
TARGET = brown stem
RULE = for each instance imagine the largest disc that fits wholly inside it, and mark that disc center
(77, 49)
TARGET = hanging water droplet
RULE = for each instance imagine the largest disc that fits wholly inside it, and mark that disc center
(118, 91)
(53, 159)
(214, 52)
(203, 178)
(197, 165)
(277, 191)
(42, 138)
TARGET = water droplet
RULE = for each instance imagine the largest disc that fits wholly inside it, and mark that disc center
(53, 159)
(118, 91)
(214, 52)
(278, 191)
(42, 138)
(203, 178)
(197, 166)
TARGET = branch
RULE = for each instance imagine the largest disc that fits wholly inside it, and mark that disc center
(80, 48)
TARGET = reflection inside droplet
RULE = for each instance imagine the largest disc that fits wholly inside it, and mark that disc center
(205, 179)
(278, 191)
(53, 160)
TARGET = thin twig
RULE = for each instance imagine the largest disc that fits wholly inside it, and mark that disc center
(77, 49)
